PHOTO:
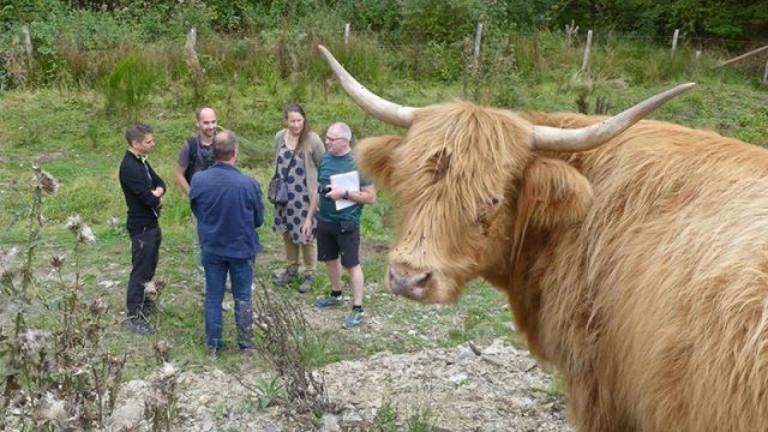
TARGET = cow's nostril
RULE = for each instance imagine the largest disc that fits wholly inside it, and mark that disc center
(422, 280)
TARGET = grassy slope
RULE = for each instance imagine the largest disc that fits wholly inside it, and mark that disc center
(68, 133)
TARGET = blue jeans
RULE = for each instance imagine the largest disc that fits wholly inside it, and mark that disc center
(241, 275)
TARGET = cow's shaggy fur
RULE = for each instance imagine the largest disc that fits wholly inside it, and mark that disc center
(638, 269)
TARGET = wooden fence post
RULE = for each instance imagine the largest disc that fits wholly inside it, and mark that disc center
(190, 49)
(27, 42)
(346, 35)
(571, 31)
(478, 39)
(674, 41)
(765, 74)
(587, 51)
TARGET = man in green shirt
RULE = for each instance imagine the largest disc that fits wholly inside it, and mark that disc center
(338, 219)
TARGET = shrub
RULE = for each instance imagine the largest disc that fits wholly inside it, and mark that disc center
(129, 86)
(440, 21)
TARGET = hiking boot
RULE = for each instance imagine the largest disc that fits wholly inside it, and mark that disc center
(139, 326)
(285, 277)
(328, 301)
(354, 319)
(306, 284)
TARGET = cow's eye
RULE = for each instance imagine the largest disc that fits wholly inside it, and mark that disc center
(439, 163)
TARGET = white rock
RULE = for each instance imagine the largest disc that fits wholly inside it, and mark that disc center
(465, 353)
(458, 379)
(496, 347)
(329, 423)
(129, 416)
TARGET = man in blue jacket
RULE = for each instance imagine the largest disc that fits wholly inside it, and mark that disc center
(228, 208)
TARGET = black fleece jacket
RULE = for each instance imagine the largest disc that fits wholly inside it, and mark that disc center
(137, 182)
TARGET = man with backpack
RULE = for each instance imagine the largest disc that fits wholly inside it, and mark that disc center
(196, 153)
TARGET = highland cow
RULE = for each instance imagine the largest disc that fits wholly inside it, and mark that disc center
(634, 253)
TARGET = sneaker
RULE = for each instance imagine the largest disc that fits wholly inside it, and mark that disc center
(306, 284)
(328, 301)
(354, 319)
(213, 353)
(247, 349)
(139, 326)
(285, 277)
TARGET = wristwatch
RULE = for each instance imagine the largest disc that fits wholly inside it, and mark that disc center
(346, 194)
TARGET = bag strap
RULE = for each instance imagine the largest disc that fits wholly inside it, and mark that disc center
(193, 146)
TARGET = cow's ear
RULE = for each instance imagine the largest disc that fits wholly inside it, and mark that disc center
(554, 194)
(373, 157)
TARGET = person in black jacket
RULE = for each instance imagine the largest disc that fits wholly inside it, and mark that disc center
(144, 191)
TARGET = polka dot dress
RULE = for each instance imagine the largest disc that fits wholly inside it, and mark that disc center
(289, 217)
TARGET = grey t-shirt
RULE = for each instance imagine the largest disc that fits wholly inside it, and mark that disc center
(203, 157)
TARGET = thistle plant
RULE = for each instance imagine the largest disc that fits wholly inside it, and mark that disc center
(283, 338)
(44, 184)
(60, 378)
(161, 403)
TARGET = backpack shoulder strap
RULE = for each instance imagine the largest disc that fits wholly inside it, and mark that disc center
(192, 144)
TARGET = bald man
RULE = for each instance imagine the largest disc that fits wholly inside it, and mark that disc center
(196, 153)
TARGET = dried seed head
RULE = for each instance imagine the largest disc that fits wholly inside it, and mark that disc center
(150, 291)
(51, 410)
(168, 371)
(98, 307)
(48, 183)
(163, 349)
(85, 234)
(114, 222)
(74, 223)
(34, 342)
(7, 257)
(57, 261)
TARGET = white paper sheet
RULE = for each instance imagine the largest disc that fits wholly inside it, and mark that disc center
(349, 181)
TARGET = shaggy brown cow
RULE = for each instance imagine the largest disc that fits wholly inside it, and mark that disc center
(635, 262)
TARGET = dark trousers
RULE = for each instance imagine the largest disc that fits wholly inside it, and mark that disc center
(145, 248)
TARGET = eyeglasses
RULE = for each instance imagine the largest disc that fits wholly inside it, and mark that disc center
(328, 138)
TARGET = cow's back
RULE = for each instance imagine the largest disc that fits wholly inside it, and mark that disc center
(669, 276)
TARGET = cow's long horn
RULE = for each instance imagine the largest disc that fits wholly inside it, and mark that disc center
(376, 106)
(586, 138)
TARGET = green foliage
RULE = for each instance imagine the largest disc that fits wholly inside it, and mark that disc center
(269, 391)
(129, 86)
(319, 350)
(385, 419)
(14, 12)
(727, 19)
(440, 21)
(420, 421)
(384, 16)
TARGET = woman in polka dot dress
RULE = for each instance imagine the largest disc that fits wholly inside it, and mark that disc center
(297, 154)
